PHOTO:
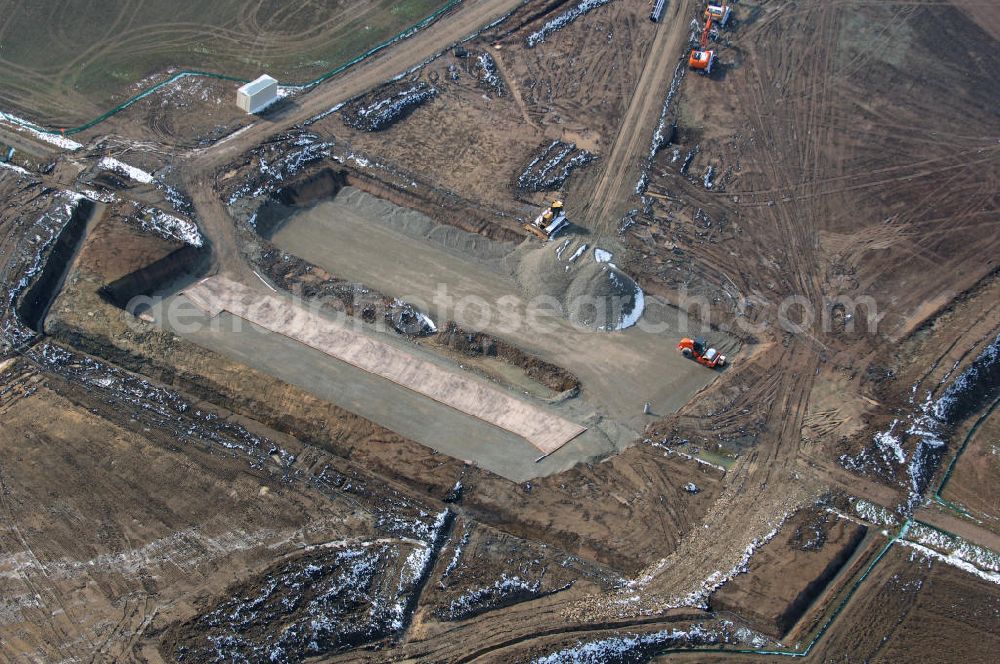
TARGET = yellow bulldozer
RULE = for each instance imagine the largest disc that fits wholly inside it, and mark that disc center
(551, 220)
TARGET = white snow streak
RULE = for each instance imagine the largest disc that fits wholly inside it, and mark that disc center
(12, 167)
(131, 172)
(22, 125)
(602, 255)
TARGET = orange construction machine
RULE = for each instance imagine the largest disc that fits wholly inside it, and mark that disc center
(702, 58)
(698, 350)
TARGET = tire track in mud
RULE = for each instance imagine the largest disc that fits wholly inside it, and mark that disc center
(868, 182)
(767, 472)
(759, 476)
(793, 389)
(307, 473)
(63, 627)
(758, 483)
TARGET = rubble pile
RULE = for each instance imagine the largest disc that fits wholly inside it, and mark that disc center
(550, 169)
(387, 105)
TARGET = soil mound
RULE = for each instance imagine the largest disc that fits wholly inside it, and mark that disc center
(593, 294)
(601, 296)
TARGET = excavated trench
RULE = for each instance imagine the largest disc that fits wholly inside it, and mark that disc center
(304, 192)
(589, 292)
(594, 378)
(974, 388)
(184, 265)
(33, 305)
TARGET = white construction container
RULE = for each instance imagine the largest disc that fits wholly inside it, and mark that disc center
(258, 94)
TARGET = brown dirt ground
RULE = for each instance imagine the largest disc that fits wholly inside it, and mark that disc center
(195, 370)
(850, 158)
(976, 473)
(907, 606)
(189, 113)
(572, 87)
(812, 545)
(110, 527)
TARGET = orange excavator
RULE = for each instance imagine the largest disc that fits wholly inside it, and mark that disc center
(702, 58)
(698, 350)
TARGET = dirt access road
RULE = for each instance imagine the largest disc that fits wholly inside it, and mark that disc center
(621, 168)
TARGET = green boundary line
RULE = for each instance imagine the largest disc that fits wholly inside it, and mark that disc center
(899, 535)
(822, 630)
(938, 498)
(413, 29)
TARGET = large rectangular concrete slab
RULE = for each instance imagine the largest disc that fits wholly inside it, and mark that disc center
(545, 431)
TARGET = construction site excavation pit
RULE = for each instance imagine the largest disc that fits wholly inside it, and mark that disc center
(526, 294)
(411, 408)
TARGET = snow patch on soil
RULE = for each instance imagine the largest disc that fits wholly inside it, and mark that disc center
(171, 227)
(561, 248)
(698, 597)
(887, 442)
(974, 377)
(489, 74)
(162, 406)
(633, 316)
(383, 113)
(715, 580)
(476, 600)
(99, 196)
(630, 647)
(456, 556)
(308, 149)
(954, 560)
(13, 167)
(953, 545)
(873, 513)
(579, 252)
(887, 454)
(131, 172)
(561, 21)
(553, 166)
(23, 125)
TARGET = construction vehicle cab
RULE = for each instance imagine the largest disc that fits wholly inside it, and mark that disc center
(698, 350)
(719, 14)
(702, 61)
(550, 221)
